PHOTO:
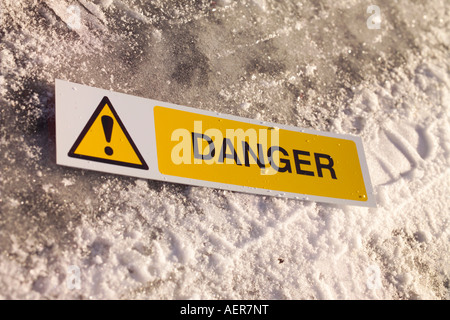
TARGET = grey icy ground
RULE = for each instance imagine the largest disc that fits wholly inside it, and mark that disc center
(311, 64)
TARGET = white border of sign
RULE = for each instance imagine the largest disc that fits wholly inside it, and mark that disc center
(75, 104)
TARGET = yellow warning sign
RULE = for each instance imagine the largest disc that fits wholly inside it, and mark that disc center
(105, 139)
(210, 148)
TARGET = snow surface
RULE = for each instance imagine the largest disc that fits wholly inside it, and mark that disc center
(309, 64)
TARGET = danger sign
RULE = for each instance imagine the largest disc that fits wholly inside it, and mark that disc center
(128, 135)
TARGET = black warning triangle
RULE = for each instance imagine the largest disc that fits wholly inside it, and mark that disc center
(105, 139)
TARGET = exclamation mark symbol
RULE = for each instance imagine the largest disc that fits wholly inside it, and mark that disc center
(108, 123)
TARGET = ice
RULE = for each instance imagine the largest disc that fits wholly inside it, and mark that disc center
(307, 64)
